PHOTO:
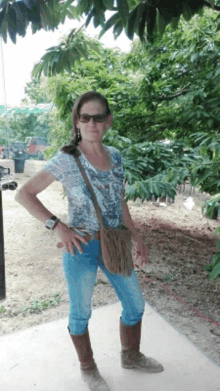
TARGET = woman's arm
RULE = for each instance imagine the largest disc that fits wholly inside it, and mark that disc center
(141, 251)
(27, 195)
(127, 220)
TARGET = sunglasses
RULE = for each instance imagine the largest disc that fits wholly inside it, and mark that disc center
(96, 118)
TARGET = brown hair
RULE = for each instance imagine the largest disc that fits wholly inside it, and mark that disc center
(76, 138)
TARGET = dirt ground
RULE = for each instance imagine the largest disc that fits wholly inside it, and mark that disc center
(174, 282)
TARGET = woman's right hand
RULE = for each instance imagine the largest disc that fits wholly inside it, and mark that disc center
(69, 238)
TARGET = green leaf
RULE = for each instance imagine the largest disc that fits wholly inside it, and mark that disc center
(12, 26)
(194, 57)
(200, 11)
(84, 6)
(3, 30)
(210, 123)
(187, 13)
(212, 2)
(161, 23)
(30, 4)
(142, 23)
(33, 15)
(3, 24)
(72, 13)
(109, 4)
(118, 28)
(151, 20)
(123, 10)
(89, 17)
(110, 22)
(97, 6)
(216, 270)
(96, 20)
(174, 22)
(208, 268)
(215, 182)
(81, 51)
(20, 9)
(2, 15)
(133, 21)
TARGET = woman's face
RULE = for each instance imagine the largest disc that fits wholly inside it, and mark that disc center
(92, 130)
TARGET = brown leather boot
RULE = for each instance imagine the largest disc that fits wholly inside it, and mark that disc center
(131, 357)
(88, 367)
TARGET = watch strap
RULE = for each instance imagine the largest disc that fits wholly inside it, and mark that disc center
(56, 222)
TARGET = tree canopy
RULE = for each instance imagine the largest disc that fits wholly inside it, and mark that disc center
(141, 17)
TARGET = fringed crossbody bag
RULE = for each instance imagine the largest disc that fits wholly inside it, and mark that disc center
(116, 243)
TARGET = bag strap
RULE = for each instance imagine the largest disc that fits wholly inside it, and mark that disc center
(94, 199)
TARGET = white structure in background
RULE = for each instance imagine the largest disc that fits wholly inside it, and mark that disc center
(25, 109)
(188, 202)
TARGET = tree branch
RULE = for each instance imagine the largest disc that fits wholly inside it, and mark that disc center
(185, 72)
(172, 96)
(216, 7)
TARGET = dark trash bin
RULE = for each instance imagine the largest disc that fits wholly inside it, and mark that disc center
(19, 164)
(19, 158)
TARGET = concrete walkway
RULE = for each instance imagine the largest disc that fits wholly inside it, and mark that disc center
(42, 358)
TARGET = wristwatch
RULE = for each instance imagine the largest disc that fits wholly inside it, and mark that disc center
(51, 222)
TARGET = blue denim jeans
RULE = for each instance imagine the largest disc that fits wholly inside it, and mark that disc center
(80, 272)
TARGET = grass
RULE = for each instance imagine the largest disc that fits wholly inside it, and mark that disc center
(169, 277)
(2, 309)
(36, 306)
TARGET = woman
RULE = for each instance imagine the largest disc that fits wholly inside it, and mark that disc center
(80, 237)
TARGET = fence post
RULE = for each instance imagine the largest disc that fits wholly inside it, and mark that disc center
(2, 255)
(10, 185)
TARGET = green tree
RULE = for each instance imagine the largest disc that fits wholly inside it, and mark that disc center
(165, 90)
(34, 90)
(104, 71)
(178, 79)
(73, 48)
(19, 126)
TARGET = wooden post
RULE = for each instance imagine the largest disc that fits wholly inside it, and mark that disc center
(10, 186)
(2, 255)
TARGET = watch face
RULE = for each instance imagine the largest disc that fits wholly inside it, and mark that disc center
(50, 223)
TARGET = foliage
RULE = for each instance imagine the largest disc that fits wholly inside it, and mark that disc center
(15, 16)
(101, 71)
(212, 206)
(208, 178)
(36, 306)
(144, 18)
(163, 166)
(19, 126)
(165, 90)
(115, 75)
(34, 90)
(207, 174)
(211, 209)
(179, 79)
(214, 268)
(63, 57)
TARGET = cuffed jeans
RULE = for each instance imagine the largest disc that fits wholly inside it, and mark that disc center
(80, 272)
